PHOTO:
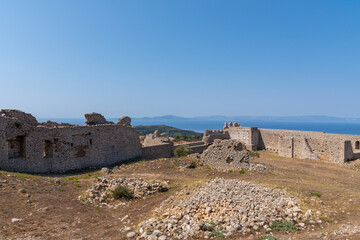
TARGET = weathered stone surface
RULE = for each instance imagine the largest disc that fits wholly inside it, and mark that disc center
(51, 124)
(126, 121)
(22, 117)
(96, 119)
(155, 139)
(226, 154)
(27, 147)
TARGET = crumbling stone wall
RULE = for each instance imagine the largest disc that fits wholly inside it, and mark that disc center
(210, 135)
(195, 147)
(155, 139)
(26, 147)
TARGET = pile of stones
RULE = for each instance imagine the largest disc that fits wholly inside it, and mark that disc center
(139, 188)
(228, 155)
(220, 207)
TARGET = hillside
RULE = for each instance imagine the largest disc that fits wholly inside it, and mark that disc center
(171, 131)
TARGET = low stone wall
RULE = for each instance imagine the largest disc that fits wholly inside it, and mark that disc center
(158, 151)
(195, 147)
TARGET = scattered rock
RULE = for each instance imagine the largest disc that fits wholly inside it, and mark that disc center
(127, 229)
(22, 191)
(15, 220)
(130, 234)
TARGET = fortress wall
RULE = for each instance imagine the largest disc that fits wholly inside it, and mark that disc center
(315, 145)
(26, 148)
(247, 135)
(165, 150)
(298, 144)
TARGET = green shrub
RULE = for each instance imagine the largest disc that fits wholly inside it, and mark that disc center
(284, 226)
(315, 194)
(254, 154)
(182, 151)
(230, 171)
(121, 192)
(242, 171)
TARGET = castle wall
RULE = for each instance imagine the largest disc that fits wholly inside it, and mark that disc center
(297, 144)
(314, 145)
(26, 148)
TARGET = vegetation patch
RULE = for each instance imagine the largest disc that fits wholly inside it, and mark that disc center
(315, 194)
(284, 226)
(122, 192)
(182, 151)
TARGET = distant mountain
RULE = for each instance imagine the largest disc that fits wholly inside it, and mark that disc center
(171, 131)
(314, 119)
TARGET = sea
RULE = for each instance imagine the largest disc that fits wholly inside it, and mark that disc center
(201, 125)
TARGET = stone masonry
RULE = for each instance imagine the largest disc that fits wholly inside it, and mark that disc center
(27, 146)
(293, 144)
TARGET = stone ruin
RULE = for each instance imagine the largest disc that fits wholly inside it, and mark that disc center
(156, 138)
(29, 146)
(226, 154)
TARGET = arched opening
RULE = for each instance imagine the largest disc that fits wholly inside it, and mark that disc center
(357, 145)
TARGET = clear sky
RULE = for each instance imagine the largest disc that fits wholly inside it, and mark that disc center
(186, 57)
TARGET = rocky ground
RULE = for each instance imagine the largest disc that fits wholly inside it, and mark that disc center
(100, 193)
(222, 207)
(306, 199)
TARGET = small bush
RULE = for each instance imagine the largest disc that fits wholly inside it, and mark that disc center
(121, 192)
(254, 154)
(230, 171)
(284, 226)
(315, 194)
(182, 151)
(242, 171)
(211, 226)
(218, 234)
(77, 185)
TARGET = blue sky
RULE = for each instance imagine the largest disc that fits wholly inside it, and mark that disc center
(188, 58)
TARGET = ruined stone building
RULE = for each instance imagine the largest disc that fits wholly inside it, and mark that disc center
(27, 146)
(293, 144)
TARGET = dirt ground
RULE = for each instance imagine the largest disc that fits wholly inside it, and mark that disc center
(51, 210)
